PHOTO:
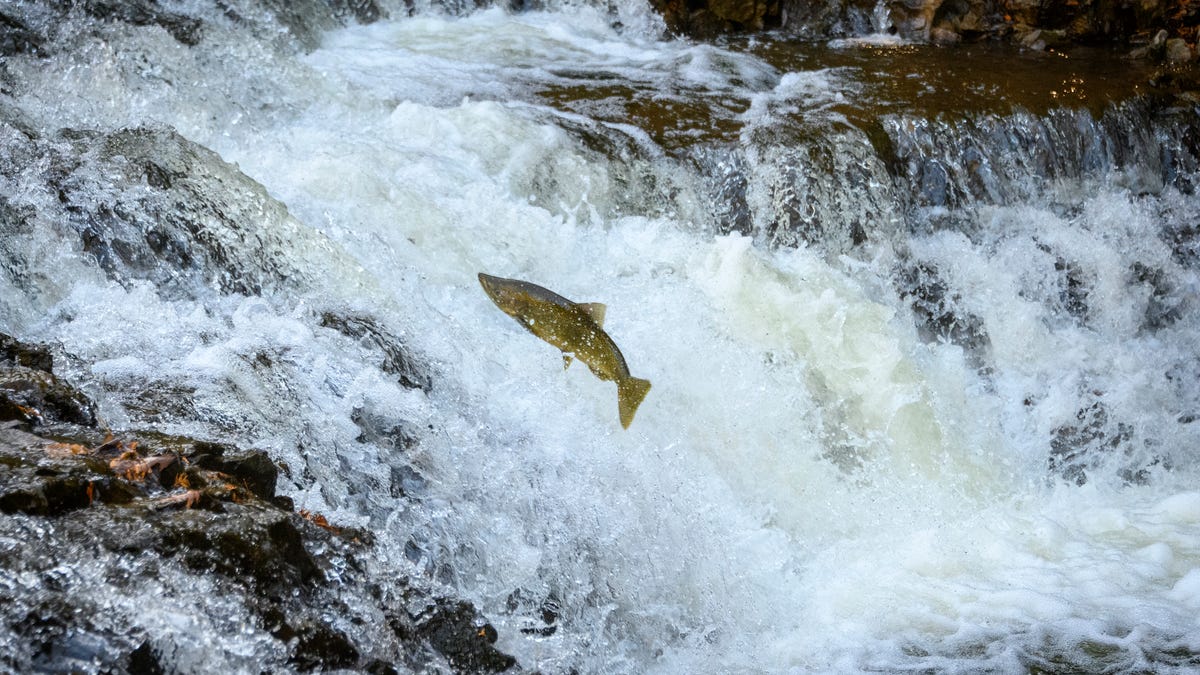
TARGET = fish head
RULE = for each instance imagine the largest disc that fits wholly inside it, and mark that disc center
(493, 286)
(504, 292)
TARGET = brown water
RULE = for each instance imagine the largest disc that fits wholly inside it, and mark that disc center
(918, 80)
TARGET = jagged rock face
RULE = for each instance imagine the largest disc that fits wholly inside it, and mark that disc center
(147, 205)
(166, 210)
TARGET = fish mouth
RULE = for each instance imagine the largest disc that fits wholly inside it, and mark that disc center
(493, 286)
(488, 282)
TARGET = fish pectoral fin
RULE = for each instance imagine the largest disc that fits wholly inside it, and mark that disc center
(595, 310)
(566, 360)
(630, 392)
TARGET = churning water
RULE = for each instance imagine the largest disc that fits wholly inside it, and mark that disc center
(925, 386)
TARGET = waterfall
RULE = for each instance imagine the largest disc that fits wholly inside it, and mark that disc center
(921, 339)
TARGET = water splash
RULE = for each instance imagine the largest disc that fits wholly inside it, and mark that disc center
(912, 409)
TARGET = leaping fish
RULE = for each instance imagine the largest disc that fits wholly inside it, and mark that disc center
(576, 328)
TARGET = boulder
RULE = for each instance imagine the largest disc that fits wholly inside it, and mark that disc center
(1178, 51)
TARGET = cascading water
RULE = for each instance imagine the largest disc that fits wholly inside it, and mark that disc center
(925, 383)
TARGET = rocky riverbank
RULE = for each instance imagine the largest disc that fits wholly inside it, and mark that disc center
(93, 515)
(1159, 30)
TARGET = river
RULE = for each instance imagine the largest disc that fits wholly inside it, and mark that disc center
(921, 325)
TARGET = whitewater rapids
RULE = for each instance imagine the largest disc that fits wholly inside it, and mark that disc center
(812, 485)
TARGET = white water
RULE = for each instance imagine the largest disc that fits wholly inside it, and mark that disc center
(807, 487)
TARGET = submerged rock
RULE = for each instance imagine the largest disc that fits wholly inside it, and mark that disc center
(939, 315)
(1096, 443)
(17, 36)
(371, 332)
(1165, 305)
(1178, 51)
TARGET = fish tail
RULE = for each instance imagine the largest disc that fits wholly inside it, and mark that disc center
(630, 392)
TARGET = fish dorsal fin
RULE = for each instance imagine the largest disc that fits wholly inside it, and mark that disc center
(566, 360)
(595, 310)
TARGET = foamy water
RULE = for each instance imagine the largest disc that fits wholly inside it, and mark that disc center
(809, 486)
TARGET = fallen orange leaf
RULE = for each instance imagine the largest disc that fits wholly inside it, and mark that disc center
(63, 450)
(188, 499)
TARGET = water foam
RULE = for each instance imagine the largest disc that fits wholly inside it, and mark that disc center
(807, 487)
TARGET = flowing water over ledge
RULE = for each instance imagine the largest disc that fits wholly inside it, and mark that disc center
(920, 322)
(921, 81)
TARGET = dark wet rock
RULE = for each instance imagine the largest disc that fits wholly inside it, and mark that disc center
(1074, 288)
(962, 19)
(1178, 51)
(131, 509)
(373, 334)
(147, 204)
(1097, 439)
(1164, 306)
(17, 36)
(539, 615)
(178, 227)
(709, 18)
(38, 397)
(1041, 25)
(307, 19)
(276, 562)
(185, 29)
(31, 27)
(727, 176)
(144, 661)
(254, 470)
(839, 18)
(13, 352)
(254, 543)
(944, 36)
(938, 312)
(454, 629)
(1036, 24)
(319, 647)
(59, 644)
(48, 477)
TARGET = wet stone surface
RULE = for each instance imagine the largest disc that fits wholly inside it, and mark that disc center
(94, 518)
